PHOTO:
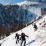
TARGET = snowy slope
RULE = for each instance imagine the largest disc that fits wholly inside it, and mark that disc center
(39, 36)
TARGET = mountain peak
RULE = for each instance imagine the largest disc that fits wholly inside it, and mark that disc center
(37, 0)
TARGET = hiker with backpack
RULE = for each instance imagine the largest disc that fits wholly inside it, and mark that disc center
(23, 39)
(17, 37)
(35, 27)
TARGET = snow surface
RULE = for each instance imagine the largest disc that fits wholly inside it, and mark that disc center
(39, 36)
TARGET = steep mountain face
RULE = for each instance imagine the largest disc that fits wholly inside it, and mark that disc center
(10, 14)
(23, 12)
(37, 7)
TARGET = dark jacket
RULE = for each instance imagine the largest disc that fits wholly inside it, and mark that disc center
(23, 36)
(17, 36)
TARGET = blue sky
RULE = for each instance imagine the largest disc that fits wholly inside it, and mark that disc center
(10, 1)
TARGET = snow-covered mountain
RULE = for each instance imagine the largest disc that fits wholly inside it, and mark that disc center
(12, 14)
(25, 11)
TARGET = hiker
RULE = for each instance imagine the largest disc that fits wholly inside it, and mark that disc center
(0, 44)
(17, 38)
(35, 27)
(23, 39)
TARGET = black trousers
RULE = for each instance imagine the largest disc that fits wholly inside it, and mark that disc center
(24, 42)
(17, 41)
